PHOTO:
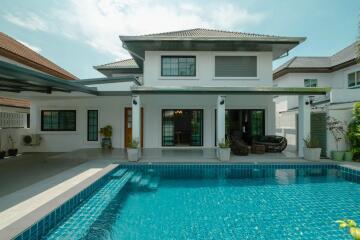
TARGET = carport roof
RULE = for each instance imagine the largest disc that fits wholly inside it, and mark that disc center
(16, 79)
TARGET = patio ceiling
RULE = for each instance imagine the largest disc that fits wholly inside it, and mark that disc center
(230, 90)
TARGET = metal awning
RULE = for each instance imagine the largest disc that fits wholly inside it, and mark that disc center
(93, 81)
(14, 78)
(230, 90)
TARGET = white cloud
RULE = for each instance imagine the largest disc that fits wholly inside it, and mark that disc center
(32, 47)
(228, 16)
(29, 21)
(99, 22)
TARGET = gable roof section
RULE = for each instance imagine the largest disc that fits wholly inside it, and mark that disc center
(126, 63)
(126, 66)
(344, 58)
(17, 103)
(200, 39)
(12, 49)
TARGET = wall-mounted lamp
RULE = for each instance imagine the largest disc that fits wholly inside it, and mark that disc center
(222, 102)
(134, 102)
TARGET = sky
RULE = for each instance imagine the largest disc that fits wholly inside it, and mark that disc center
(79, 34)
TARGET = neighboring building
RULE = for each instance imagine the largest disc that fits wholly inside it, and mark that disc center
(188, 88)
(15, 113)
(340, 71)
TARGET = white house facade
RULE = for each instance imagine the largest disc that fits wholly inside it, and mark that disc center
(185, 89)
(340, 72)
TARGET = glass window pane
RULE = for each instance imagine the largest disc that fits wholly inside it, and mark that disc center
(358, 78)
(178, 66)
(92, 125)
(351, 79)
(58, 120)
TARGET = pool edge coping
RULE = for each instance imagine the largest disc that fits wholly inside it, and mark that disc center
(19, 226)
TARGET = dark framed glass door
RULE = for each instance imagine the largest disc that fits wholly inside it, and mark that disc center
(182, 127)
(244, 124)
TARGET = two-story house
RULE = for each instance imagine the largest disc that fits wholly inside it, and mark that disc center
(183, 89)
(341, 72)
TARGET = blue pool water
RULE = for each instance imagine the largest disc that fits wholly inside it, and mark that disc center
(211, 204)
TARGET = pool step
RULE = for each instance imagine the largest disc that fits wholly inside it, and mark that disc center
(154, 183)
(136, 178)
(119, 173)
(144, 181)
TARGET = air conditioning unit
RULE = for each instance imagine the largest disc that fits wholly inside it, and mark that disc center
(31, 140)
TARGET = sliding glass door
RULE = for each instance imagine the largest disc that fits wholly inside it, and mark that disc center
(182, 127)
(244, 124)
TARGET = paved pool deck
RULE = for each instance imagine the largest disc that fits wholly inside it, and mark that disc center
(36, 183)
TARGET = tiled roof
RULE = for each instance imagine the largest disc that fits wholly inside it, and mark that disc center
(127, 63)
(202, 32)
(17, 51)
(10, 102)
(347, 54)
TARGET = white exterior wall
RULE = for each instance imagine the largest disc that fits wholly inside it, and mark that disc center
(339, 95)
(205, 70)
(111, 111)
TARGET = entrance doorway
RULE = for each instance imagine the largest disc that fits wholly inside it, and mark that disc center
(128, 127)
(182, 127)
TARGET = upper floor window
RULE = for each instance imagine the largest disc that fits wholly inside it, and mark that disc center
(310, 83)
(173, 66)
(354, 79)
(235, 66)
(58, 120)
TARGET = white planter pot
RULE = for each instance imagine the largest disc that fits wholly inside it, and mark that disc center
(312, 154)
(133, 154)
(224, 154)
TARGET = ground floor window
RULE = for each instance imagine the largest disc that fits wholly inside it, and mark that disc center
(58, 120)
(244, 124)
(182, 127)
(92, 125)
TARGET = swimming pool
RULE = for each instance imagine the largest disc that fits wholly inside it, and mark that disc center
(214, 202)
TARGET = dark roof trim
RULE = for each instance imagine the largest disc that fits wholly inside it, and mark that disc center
(92, 81)
(230, 90)
(287, 70)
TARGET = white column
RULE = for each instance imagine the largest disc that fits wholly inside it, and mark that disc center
(304, 123)
(136, 121)
(220, 120)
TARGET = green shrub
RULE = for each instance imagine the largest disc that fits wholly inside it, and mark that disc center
(311, 142)
(353, 132)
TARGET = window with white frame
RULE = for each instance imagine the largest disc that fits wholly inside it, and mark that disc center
(354, 79)
(310, 83)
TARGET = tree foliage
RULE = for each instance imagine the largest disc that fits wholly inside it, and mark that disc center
(353, 133)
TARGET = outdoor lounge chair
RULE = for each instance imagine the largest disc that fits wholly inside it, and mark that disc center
(272, 143)
(238, 146)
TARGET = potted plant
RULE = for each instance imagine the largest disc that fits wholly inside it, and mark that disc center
(12, 151)
(337, 130)
(2, 152)
(312, 150)
(133, 151)
(353, 132)
(224, 150)
(106, 133)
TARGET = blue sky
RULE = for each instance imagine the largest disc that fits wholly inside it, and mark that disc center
(78, 34)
